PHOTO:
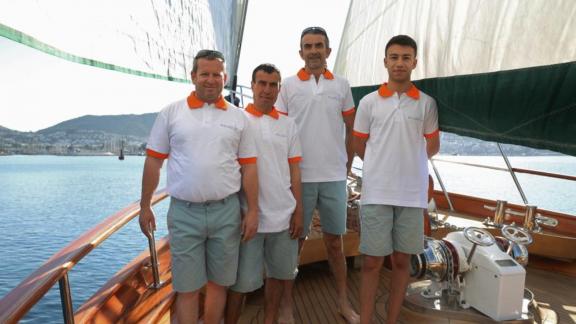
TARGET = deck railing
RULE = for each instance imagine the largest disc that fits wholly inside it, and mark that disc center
(18, 302)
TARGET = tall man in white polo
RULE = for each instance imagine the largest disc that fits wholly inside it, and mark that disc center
(395, 132)
(323, 108)
(275, 246)
(211, 155)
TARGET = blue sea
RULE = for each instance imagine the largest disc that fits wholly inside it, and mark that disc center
(48, 201)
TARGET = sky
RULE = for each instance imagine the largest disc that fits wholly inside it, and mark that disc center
(38, 90)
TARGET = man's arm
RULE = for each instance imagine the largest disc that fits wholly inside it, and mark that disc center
(296, 222)
(359, 144)
(432, 145)
(349, 122)
(250, 188)
(150, 180)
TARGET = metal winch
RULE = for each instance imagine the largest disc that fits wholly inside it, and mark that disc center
(472, 268)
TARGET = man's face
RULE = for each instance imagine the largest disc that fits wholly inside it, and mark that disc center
(400, 61)
(313, 51)
(209, 79)
(265, 89)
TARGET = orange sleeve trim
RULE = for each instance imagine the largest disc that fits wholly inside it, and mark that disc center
(361, 135)
(295, 159)
(433, 134)
(249, 160)
(281, 112)
(155, 154)
(349, 112)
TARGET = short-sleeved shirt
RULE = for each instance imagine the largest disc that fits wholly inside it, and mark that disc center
(395, 170)
(318, 109)
(278, 146)
(205, 145)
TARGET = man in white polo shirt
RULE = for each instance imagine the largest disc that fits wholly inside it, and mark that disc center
(275, 247)
(322, 106)
(395, 132)
(211, 155)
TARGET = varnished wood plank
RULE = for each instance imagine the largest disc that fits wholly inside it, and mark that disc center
(315, 297)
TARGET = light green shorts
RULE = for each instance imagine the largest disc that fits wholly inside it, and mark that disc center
(331, 200)
(204, 242)
(385, 229)
(277, 252)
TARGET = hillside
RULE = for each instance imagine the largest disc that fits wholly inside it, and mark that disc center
(4, 130)
(102, 134)
(126, 125)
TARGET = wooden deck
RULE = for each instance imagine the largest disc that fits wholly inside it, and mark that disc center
(315, 297)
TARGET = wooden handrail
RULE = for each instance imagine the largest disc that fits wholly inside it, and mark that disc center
(22, 298)
(518, 170)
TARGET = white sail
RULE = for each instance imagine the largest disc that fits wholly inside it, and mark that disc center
(149, 38)
(457, 37)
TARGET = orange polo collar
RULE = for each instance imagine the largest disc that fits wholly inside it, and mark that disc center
(413, 92)
(305, 76)
(194, 102)
(252, 110)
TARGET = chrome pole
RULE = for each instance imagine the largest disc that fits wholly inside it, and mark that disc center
(66, 299)
(513, 174)
(153, 259)
(442, 185)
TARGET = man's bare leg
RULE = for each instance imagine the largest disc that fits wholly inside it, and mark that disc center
(371, 266)
(286, 311)
(187, 307)
(273, 293)
(337, 263)
(214, 303)
(233, 307)
(398, 283)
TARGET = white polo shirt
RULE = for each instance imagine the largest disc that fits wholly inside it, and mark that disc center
(395, 170)
(205, 145)
(318, 110)
(278, 145)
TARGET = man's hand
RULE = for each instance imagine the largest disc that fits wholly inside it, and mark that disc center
(147, 221)
(249, 225)
(296, 225)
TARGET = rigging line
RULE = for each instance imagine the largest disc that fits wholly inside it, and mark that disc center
(471, 119)
(25, 39)
(560, 110)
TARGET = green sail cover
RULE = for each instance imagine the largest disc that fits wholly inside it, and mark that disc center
(533, 107)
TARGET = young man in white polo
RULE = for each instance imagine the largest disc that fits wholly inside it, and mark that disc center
(323, 108)
(275, 246)
(395, 132)
(211, 155)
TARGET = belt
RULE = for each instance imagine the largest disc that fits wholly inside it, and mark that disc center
(205, 203)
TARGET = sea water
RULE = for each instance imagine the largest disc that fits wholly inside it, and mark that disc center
(48, 201)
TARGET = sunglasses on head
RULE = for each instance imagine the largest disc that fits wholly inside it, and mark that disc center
(314, 30)
(209, 53)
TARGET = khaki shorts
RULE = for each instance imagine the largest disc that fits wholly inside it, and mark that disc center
(276, 253)
(331, 199)
(204, 242)
(385, 229)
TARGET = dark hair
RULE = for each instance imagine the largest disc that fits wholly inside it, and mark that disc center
(206, 54)
(315, 31)
(402, 40)
(266, 67)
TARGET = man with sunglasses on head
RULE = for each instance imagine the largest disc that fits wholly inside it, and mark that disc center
(322, 106)
(211, 155)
